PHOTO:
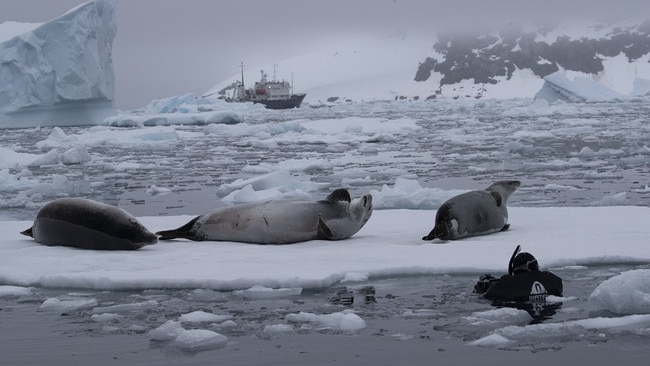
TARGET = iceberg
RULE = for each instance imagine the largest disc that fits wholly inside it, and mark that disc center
(59, 73)
(558, 86)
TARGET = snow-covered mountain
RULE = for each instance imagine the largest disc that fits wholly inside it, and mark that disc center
(576, 62)
(59, 72)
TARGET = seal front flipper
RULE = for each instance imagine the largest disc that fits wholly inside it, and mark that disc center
(497, 197)
(505, 227)
(323, 232)
(28, 232)
(184, 232)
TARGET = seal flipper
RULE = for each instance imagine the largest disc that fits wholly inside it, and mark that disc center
(28, 232)
(505, 227)
(340, 194)
(497, 196)
(184, 232)
(438, 231)
(323, 232)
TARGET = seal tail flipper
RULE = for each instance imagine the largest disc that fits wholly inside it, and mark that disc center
(323, 231)
(182, 232)
(28, 232)
(438, 231)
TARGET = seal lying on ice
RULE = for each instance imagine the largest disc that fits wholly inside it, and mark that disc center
(88, 224)
(474, 213)
(282, 221)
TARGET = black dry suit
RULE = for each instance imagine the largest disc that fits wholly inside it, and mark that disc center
(524, 284)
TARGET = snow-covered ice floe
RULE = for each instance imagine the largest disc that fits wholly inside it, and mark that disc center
(388, 245)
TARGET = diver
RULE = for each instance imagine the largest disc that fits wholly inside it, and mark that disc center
(524, 287)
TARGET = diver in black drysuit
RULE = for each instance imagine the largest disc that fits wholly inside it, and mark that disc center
(524, 287)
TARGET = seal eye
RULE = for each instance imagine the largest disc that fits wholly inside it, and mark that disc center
(365, 201)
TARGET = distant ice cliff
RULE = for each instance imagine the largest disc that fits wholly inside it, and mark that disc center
(59, 72)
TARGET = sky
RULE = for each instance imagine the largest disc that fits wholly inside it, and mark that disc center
(166, 48)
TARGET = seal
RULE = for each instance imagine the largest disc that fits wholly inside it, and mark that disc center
(474, 213)
(88, 224)
(284, 221)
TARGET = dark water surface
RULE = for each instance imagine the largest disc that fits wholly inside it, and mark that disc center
(415, 320)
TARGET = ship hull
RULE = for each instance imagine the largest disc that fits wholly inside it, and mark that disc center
(292, 102)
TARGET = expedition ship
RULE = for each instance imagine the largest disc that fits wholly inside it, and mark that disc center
(273, 94)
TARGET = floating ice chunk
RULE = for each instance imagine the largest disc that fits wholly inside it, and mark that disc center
(199, 340)
(627, 293)
(170, 105)
(14, 291)
(202, 317)
(167, 331)
(105, 317)
(421, 313)
(503, 315)
(278, 328)
(62, 306)
(492, 340)
(155, 190)
(291, 165)
(409, 194)
(614, 199)
(125, 308)
(248, 194)
(10, 182)
(280, 180)
(60, 184)
(188, 340)
(158, 138)
(76, 155)
(343, 321)
(197, 118)
(260, 292)
(49, 158)
(586, 152)
(355, 277)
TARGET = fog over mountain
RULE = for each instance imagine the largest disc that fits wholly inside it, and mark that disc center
(166, 47)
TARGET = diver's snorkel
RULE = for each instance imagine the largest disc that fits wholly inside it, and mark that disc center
(512, 258)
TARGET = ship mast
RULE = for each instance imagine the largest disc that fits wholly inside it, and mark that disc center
(242, 72)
